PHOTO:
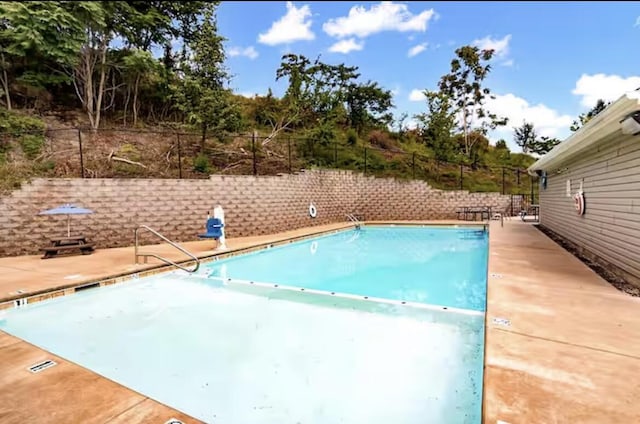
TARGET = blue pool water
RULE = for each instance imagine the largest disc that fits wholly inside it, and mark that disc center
(442, 266)
(232, 353)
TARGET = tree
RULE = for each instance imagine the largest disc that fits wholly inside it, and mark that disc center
(464, 86)
(205, 99)
(586, 117)
(525, 136)
(139, 66)
(502, 152)
(322, 94)
(436, 126)
(368, 104)
(37, 32)
(544, 144)
(501, 145)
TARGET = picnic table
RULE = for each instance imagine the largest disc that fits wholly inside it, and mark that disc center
(468, 212)
(67, 244)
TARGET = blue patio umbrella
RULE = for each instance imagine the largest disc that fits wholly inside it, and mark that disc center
(67, 209)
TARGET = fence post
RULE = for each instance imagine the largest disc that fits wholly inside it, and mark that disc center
(335, 154)
(179, 157)
(253, 148)
(365, 161)
(461, 177)
(503, 182)
(289, 152)
(81, 157)
(413, 165)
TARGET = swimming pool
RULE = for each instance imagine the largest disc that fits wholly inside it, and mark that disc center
(239, 353)
(434, 265)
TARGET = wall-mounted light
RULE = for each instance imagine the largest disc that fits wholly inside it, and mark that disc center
(631, 123)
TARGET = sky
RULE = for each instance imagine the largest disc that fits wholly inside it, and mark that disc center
(552, 61)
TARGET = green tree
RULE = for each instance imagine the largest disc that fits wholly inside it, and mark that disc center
(368, 104)
(501, 145)
(502, 152)
(544, 144)
(464, 86)
(525, 136)
(436, 126)
(37, 32)
(140, 66)
(205, 99)
(586, 117)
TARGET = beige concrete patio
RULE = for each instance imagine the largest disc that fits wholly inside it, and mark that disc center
(570, 354)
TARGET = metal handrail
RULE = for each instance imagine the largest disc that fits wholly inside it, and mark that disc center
(153, 255)
(351, 217)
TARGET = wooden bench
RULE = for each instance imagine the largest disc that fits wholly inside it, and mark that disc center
(49, 252)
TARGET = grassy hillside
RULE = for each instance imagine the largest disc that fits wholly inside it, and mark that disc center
(48, 146)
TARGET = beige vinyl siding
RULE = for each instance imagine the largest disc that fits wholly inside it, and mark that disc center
(610, 227)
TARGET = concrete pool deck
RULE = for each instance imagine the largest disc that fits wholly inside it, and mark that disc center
(569, 354)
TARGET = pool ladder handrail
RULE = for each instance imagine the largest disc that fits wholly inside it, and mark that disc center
(163, 259)
(351, 217)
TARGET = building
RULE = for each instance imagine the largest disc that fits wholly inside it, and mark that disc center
(590, 188)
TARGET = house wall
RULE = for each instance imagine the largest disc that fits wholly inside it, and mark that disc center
(609, 231)
(253, 205)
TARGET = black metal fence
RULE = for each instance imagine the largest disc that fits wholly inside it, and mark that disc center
(129, 153)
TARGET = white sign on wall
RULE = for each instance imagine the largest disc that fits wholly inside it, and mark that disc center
(568, 188)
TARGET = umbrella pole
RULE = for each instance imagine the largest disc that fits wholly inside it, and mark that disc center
(68, 225)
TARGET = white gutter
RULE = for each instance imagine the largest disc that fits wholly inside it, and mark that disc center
(605, 124)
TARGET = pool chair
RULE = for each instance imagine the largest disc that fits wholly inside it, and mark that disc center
(214, 230)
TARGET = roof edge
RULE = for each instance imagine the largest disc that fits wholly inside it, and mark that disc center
(602, 125)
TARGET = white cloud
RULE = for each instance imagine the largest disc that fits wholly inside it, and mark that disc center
(294, 26)
(385, 16)
(637, 22)
(415, 50)
(346, 46)
(605, 87)
(507, 62)
(547, 121)
(499, 46)
(249, 52)
(417, 96)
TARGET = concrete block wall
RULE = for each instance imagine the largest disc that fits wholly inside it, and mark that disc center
(253, 205)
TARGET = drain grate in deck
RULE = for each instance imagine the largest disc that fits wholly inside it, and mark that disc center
(41, 366)
(502, 321)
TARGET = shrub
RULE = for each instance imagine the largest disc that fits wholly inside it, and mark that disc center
(381, 139)
(31, 145)
(130, 152)
(352, 137)
(201, 164)
(16, 124)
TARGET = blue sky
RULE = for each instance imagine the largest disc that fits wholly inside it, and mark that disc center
(553, 59)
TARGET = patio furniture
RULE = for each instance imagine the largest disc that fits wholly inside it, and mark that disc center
(482, 211)
(531, 210)
(67, 244)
